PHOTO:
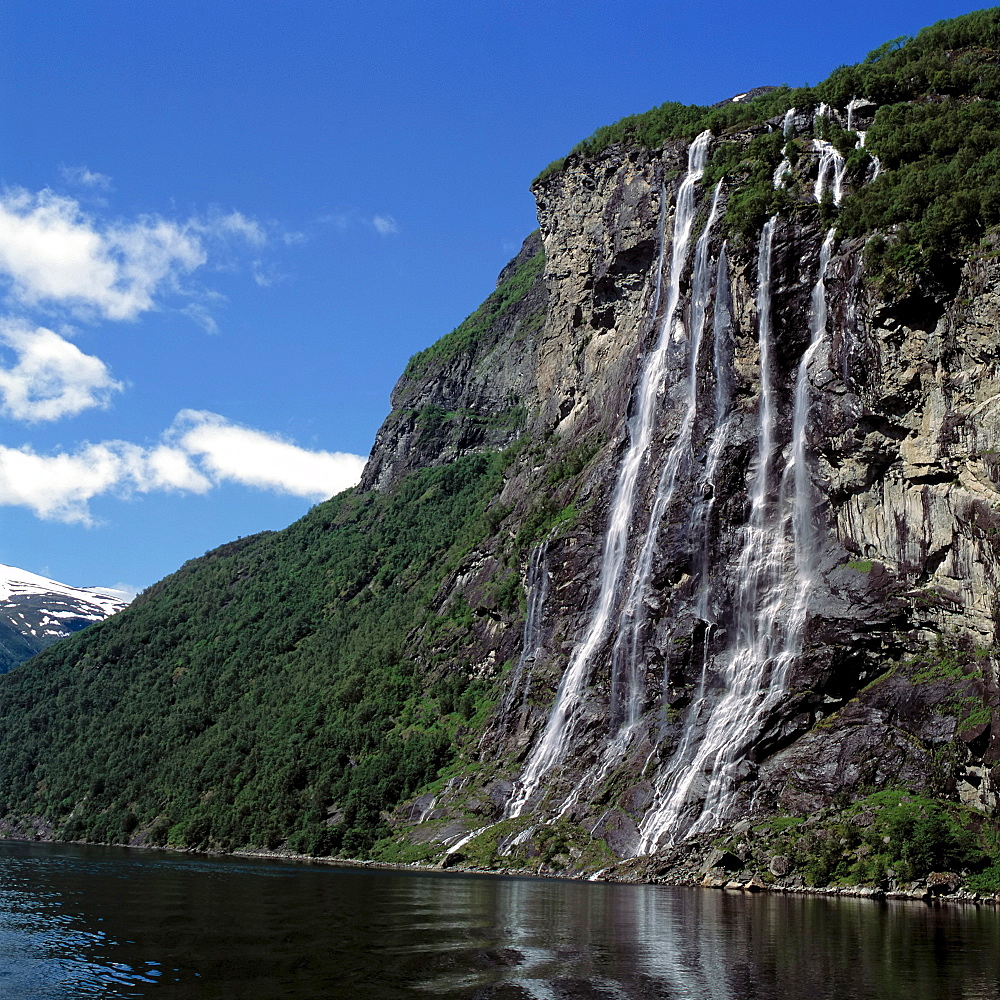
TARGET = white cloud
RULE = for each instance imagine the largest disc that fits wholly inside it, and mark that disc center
(253, 458)
(84, 177)
(51, 378)
(52, 253)
(234, 224)
(200, 451)
(385, 224)
(58, 487)
(202, 316)
(167, 468)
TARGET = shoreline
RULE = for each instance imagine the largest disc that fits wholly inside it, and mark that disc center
(750, 885)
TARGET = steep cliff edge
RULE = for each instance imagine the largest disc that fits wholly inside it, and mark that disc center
(692, 525)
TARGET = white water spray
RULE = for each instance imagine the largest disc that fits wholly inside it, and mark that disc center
(626, 670)
(551, 748)
(722, 361)
(771, 604)
(517, 688)
(831, 171)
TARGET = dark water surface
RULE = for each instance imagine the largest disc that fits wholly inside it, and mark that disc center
(78, 922)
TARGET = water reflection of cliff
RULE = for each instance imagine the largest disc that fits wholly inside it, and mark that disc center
(81, 922)
(518, 938)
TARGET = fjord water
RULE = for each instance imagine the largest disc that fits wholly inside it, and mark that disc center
(79, 922)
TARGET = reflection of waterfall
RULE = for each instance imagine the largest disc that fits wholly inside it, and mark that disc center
(551, 748)
(773, 578)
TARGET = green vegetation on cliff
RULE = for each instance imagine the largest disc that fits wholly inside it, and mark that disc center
(472, 329)
(888, 835)
(274, 690)
(936, 132)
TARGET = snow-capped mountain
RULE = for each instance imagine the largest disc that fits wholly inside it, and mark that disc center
(36, 611)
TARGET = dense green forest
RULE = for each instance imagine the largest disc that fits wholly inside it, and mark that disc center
(268, 691)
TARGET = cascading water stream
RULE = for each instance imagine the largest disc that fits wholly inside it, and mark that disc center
(709, 757)
(832, 166)
(626, 670)
(722, 355)
(784, 168)
(516, 691)
(770, 606)
(802, 503)
(862, 136)
(552, 746)
(627, 677)
(831, 171)
(701, 515)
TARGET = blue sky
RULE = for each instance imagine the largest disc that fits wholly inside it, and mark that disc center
(225, 226)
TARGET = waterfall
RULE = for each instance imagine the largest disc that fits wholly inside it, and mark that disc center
(626, 670)
(773, 580)
(516, 691)
(722, 736)
(628, 683)
(551, 748)
(878, 163)
(831, 166)
(787, 128)
(802, 505)
(722, 355)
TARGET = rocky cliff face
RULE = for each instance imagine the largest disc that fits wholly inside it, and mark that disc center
(807, 520)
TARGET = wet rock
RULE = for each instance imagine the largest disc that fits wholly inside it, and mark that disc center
(779, 865)
(725, 860)
(903, 439)
(943, 883)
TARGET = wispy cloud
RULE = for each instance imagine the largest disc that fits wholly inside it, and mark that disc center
(385, 224)
(51, 378)
(83, 177)
(199, 452)
(53, 254)
(231, 224)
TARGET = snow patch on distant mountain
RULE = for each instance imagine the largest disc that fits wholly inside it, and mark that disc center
(36, 611)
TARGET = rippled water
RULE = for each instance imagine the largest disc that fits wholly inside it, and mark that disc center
(78, 922)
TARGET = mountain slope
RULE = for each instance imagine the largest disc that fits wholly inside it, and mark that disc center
(36, 611)
(690, 527)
